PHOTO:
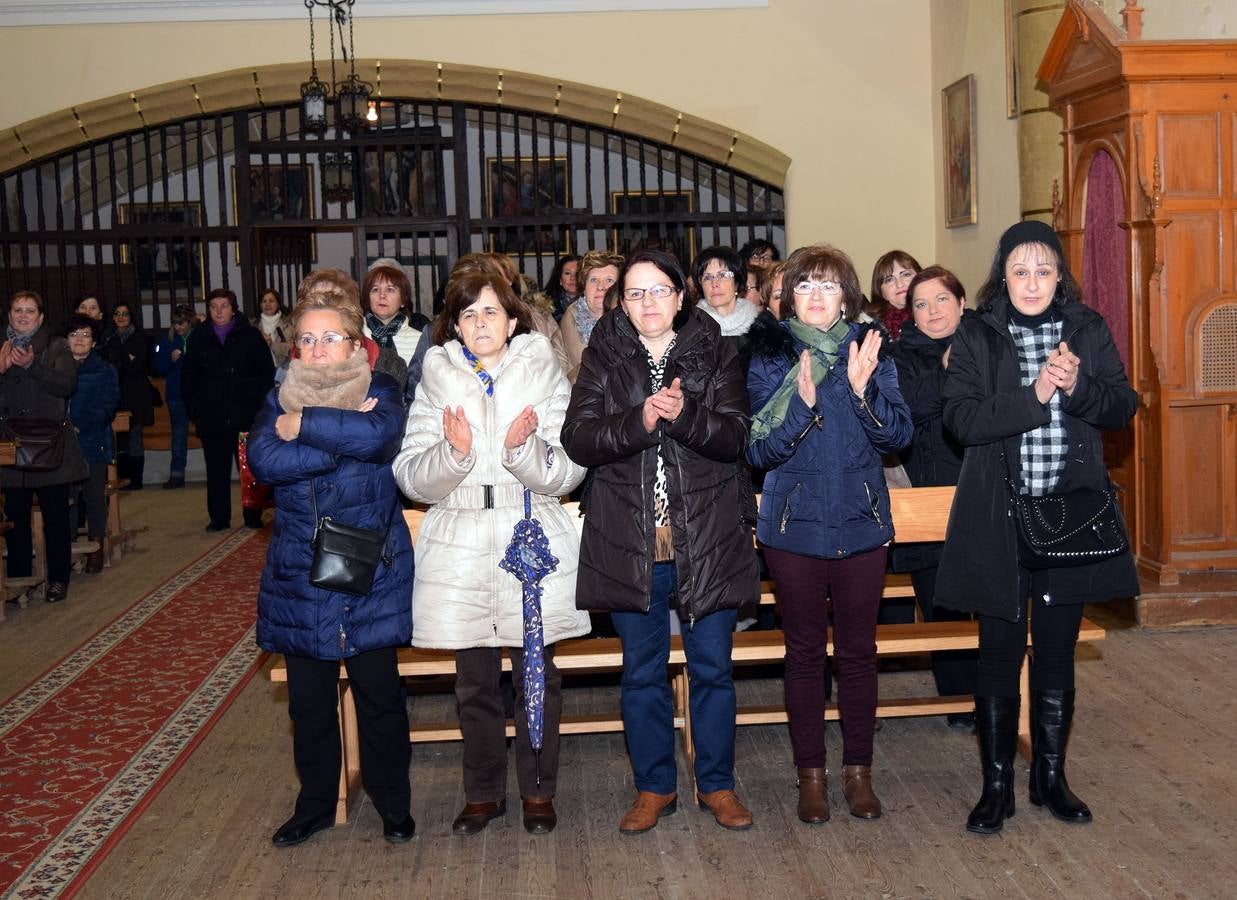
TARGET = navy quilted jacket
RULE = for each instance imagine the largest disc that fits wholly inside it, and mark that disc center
(92, 406)
(824, 492)
(346, 457)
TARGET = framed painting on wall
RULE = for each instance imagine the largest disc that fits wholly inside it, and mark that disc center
(958, 134)
(276, 192)
(165, 265)
(651, 232)
(517, 187)
(403, 182)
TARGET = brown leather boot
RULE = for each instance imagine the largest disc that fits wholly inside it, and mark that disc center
(645, 812)
(726, 809)
(813, 796)
(94, 561)
(539, 815)
(857, 786)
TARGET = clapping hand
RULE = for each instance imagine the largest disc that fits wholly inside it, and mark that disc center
(807, 387)
(522, 426)
(457, 431)
(862, 362)
(23, 356)
(1062, 368)
(6, 356)
(664, 404)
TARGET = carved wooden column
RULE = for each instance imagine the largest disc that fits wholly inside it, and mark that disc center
(1039, 126)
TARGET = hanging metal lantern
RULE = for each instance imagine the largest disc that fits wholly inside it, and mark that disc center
(314, 97)
(352, 94)
(337, 175)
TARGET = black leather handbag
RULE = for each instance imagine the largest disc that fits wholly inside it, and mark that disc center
(345, 558)
(1067, 528)
(39, 442)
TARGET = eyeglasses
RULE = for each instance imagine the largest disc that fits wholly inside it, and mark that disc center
(81, 334)
(330, 339)
(122, 314)
(720, 277)
(763, 256)
(656, 292)
(805, 287)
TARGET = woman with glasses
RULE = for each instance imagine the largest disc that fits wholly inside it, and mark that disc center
(126, 349)
(324, 439)
(482, 446)
(597, 272)
(891, 276)
(91, 409)
(719, 274)
(759, 254)
(660, 414)
(826, 405)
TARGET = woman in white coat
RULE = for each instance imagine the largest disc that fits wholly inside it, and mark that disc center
(484, 427)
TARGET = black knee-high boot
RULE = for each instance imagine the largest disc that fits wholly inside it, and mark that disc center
(1052, 712)
(996, 723)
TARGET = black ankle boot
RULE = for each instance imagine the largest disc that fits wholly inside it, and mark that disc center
(1051, 715)
(137, 467)
(996, 723)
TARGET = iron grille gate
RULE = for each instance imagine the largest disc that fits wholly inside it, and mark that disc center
(244, 200)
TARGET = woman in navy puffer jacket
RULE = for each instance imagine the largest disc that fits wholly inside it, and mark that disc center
(825, 406)
(332, 428)
(91, 409)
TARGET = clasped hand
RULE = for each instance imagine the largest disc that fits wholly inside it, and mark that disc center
(1059, 371)
(664, 404)
(288, 425)
(15, 356)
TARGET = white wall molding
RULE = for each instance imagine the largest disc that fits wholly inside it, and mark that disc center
(92, 12)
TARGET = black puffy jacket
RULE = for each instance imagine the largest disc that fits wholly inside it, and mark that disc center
(713, 552)
(223, 384)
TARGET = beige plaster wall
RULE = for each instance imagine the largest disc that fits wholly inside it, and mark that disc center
(968, 38)
(839, 86)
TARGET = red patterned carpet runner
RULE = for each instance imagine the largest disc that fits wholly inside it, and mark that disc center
(87, 745)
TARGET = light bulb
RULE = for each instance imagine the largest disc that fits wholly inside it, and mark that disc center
(372, 115)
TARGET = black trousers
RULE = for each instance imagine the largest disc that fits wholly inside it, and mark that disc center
(91, 494)
(54, 504)
(955, 671)
(219, 450)
(382, 723)
(483, 722)
(1054, 634)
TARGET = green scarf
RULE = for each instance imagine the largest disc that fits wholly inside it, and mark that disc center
(823, 346)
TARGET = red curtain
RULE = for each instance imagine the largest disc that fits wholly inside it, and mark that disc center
(1105, 253)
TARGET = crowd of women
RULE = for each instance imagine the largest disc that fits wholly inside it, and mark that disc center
(660, 398)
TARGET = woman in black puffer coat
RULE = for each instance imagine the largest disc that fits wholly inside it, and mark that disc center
(126, 349)
(1032, 381)
(660, 413)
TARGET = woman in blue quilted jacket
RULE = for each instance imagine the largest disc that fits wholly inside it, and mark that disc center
(825, 407)
(325, 439)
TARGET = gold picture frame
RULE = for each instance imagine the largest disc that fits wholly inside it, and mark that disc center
(277, 192)
(515, 186)
(162, 262)
(627, 239)
(959, 145)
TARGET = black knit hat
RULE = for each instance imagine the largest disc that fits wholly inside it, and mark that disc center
(1031, 231)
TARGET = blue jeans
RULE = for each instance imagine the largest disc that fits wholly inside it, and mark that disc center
(180, 437)
(648, 711)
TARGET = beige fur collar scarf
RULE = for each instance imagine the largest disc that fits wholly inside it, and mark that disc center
(338, 385)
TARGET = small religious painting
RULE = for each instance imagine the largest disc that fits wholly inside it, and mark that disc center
(958, 131)
(646, 226)
(527, 187)
(277, 191)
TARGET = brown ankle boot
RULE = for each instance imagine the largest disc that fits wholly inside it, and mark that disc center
(94, 561)
(857, 786)
(813, 796)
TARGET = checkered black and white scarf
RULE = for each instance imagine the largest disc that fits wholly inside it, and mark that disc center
(1043, 449)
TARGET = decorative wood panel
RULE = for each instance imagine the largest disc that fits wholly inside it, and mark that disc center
(1192, 243)
(1189, 152)
(1197, 472)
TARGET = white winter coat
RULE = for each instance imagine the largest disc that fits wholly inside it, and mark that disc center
(460, 597)
(405, 340)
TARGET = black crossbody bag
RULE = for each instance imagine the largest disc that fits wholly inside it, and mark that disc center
(345, 558)
(1066, 528)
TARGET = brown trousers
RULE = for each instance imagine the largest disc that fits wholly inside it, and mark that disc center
(483, 721)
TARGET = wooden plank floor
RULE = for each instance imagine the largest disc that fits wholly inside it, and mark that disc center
(1153, 755)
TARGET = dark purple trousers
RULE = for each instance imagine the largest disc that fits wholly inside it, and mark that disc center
(804, 584)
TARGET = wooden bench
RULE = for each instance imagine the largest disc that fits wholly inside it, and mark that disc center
(921, 515)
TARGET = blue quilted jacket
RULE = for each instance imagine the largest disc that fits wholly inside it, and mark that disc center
(345, 456)
(92, 406)
(824, 492)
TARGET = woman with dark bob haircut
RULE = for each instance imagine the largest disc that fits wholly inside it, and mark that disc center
(659, 412)
(826, 405)
(482, 446)
(1033, 380)
(891, 276)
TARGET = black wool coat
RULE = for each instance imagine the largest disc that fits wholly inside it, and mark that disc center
(130, 358)
(987, 409)
(714, 556)
(223, 384)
